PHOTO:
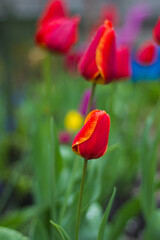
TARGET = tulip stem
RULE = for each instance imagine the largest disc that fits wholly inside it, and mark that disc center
(80, 199)
(91, 98)
(47, 78)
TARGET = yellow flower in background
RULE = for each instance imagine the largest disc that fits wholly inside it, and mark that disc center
(73, 121)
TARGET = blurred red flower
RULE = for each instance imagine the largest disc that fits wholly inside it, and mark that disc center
(156, 32)
(147, 53)
(53, 9)
(55, 30)
(98, 63)
(92, 140)
(123, 58)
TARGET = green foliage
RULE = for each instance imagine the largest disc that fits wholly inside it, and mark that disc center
(52, 174)
(148, 165)
(10, 234)
(105, 217)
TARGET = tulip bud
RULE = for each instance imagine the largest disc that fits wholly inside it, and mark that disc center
(54, 9)
(58, 35)
(92, 140)
(147, 53)
(98, 64)
(156, 32)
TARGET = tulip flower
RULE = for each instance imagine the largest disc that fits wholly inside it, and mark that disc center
(73, 121)
(53, 10)
(156, 32)
(58, 35)
(123, 62)
(85, 102)
(56, 30)
(92, 140)
(147, 53)
(149, 72)
(98, 63)
(64, 137)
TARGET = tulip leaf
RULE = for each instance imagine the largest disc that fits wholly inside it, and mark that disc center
(38, 231)
(10, 234)
(105, 216)
(61, 232)
(152, 229)
(129, 209)
(18, 218)
(148, 167)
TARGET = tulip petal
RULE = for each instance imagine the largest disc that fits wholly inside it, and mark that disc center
(156, 32)
(87, 130)
(96, 145)
(123, 63)
(87, 66)
(54, 9)
(146, 54)
(59, 35)
(106, 54)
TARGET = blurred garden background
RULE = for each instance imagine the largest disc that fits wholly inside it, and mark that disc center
(42, 98)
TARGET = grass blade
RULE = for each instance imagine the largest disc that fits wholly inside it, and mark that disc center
(105, 216)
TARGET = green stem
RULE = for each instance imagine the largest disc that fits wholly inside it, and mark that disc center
(69, 190)
(80, 199)
(91, 98)
(47, 79)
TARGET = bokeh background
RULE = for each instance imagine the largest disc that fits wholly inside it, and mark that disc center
(134, 137)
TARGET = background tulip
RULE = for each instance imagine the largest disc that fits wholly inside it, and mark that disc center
(156, 32)
(56, 31)
(53, 10)
(147, 53)
(92, 140)
(123, 62)
(73, 121)
(58, 35)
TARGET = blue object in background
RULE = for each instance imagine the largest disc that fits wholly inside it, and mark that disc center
(146, 72)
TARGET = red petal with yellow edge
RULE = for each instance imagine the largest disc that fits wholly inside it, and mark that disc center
(96, 145)
(54, 9)
(123, 69)
(59, 35)
(87, 66)
(86, 131)
(156, 32)
(106, 54)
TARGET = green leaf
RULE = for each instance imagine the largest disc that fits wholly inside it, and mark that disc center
(17, 218)
(61, 232)
(10, 234)
(105, 216)
(153, 229)
(148, 167)
(39, 232)
(129, 209)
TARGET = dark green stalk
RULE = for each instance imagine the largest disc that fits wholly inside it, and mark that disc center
(80, 199)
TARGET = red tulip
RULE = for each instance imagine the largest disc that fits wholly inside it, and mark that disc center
(53, 10)
(146, 53)
(92, 140)
(123, 63)
(58, 35)
(156, 32)
(98, 63)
